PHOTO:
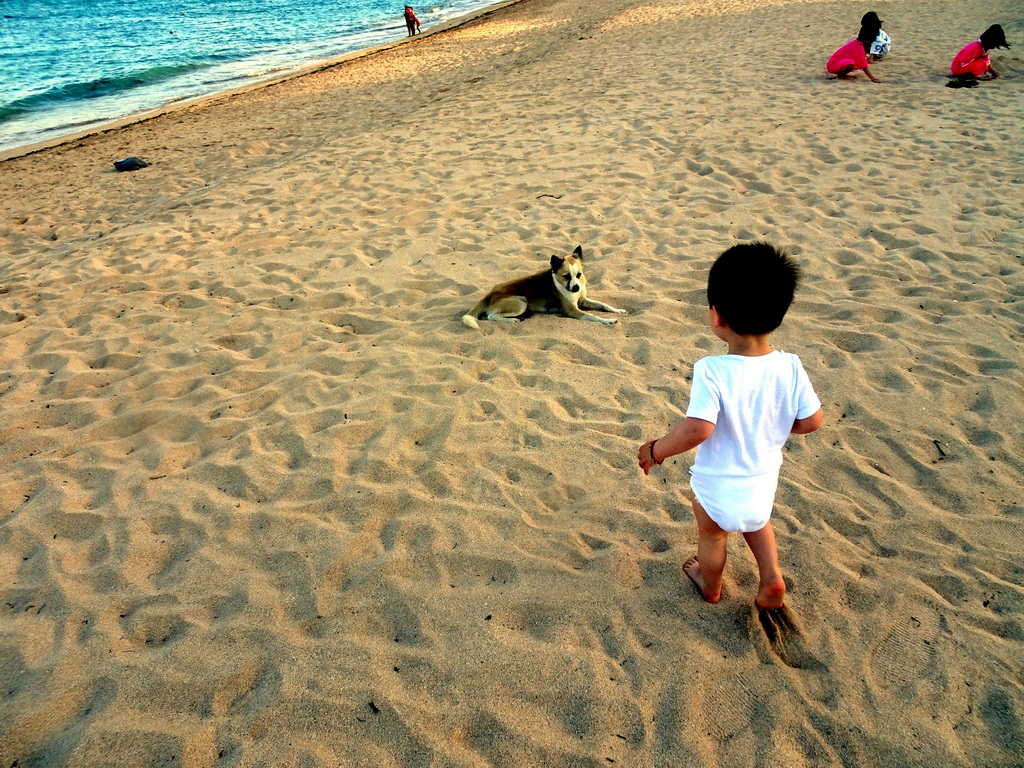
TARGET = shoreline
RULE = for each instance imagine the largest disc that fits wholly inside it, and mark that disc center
(275, 79)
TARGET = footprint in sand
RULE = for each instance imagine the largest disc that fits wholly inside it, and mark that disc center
(778, 624)
(786, 640)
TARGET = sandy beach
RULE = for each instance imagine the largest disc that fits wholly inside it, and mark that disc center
(265, 501)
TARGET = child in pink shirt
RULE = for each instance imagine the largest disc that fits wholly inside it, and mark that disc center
(854, 55)
(973, 60)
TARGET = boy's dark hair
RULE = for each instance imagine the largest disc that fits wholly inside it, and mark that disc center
(751, 286)
(993, 37)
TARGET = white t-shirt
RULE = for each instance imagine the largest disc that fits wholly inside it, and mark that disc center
(753, 402)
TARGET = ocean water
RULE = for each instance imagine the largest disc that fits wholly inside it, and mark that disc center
(66, 65)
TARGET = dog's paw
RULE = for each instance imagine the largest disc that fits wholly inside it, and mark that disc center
(609, 321)
(618, 311)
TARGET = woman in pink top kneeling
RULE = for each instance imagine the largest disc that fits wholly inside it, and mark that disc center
(854, 55)
(973, 61)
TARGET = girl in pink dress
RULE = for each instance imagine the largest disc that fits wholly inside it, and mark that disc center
(854, 55)
(973, 60)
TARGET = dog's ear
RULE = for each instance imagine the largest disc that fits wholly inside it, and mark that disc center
(578, 253)
(556, 263)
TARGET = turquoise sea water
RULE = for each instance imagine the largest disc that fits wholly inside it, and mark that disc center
(68, 64)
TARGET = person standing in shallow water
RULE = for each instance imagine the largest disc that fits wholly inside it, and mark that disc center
(411, 22)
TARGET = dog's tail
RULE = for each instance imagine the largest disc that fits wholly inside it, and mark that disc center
(469, 319)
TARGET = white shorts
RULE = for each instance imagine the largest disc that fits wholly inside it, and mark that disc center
(741, 504)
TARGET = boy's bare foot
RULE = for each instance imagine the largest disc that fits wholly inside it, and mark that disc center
(770, 596)
(692, 569)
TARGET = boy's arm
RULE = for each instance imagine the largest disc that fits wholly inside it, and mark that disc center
(684, 436)
(808, 425)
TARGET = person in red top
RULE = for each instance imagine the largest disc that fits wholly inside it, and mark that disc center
(854, 55)
(411, 22)
(973, 60)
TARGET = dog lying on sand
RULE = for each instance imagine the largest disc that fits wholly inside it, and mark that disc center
(562, 288)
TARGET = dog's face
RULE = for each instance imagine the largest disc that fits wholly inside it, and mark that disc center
(569, 271)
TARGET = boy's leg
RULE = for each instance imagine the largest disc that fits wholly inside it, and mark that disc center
(706, 568)
(772, 587)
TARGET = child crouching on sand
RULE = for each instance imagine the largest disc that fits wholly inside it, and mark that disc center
(973, 60)
(854, 55)
(743, 406)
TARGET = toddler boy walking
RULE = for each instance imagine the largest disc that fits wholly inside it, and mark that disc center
(743, 406)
